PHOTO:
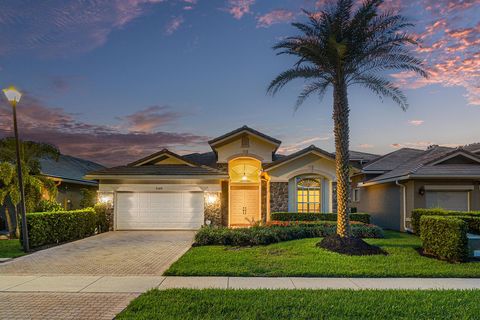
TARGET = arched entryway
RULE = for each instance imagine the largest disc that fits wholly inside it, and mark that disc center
(245, 191)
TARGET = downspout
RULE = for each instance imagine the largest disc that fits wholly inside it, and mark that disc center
(404, 198)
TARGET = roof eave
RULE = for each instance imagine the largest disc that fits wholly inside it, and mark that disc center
(156, 177)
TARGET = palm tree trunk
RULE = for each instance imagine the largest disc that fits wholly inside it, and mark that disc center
(342, 156)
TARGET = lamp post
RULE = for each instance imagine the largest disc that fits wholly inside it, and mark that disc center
(13, 96)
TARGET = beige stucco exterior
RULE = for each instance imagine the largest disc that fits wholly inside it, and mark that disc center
(258, 148)
(391, 205)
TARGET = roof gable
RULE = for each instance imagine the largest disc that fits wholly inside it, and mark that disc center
(458, 156)
(163, 157)
(299, 154)
(223, 139)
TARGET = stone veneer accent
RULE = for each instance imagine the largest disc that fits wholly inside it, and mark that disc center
(109, 207)
(278, 196)
(213, 211)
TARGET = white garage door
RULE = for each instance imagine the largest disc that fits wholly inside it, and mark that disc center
(449, 200)
(159, 211)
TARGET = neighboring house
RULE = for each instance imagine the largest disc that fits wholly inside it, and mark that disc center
(239, 183)
(68, 172)
(390, 187)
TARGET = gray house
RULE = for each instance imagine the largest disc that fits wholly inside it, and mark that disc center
(68, 172)
(390, 187)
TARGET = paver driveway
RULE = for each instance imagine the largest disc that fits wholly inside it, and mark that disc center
(114, 253)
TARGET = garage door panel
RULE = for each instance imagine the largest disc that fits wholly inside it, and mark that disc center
(162, 211)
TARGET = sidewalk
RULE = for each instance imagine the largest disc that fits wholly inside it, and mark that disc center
(139, 284)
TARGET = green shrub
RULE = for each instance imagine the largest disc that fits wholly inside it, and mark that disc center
(444, 237)
(418, 213)
(105, 216)
(264, 235)
(45, 228)
(297, 216)
(48, 206)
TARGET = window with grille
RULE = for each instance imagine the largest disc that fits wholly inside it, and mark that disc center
(309, 195)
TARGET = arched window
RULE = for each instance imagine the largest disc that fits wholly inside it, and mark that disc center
(309, 195)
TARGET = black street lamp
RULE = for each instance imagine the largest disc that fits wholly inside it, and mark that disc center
(13, 96)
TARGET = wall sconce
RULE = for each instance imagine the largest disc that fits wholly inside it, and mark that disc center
(106, 198)
(212, 198)
(421, 191)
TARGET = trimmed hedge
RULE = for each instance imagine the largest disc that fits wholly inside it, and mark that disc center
(444, 237)
(45, 228)
(471, 217)
(272, 234)
(297, 216)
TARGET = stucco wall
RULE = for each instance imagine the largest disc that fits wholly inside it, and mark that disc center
(257, 147)
(309, 164)
(382, 202)
(69, 195)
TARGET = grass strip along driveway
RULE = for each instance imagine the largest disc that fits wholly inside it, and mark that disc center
(10, 249)
(303, 258)
(303, 304)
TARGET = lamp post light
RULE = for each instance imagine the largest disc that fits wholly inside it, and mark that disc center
(13, 96)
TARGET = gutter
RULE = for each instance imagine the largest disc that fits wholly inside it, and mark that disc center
(156, 177)
(404, 199)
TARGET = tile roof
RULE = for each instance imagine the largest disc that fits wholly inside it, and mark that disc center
(473, 147)
(393, 159)
(247, 129)
(158, 170)
(206, 159)
(69, 168)
(424, 165)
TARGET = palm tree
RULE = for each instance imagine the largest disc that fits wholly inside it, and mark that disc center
(34, 183)
(340, 47)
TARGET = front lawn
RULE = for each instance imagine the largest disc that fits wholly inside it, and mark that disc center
(10, 249)
(303, 258)
(303, 304)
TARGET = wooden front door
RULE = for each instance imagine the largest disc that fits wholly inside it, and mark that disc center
(244, 205)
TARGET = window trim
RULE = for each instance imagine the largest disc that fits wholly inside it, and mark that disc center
(356, 195)
(308, 202)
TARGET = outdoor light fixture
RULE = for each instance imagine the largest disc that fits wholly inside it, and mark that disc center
(244, 178)
(212, 198)
(105, 198)
(13, 96)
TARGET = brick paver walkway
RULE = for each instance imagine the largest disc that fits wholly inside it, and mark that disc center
(112, 253)
(62, 306)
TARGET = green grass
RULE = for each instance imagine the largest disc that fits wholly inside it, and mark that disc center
(303, 258)
(303, 304)
(10, 249)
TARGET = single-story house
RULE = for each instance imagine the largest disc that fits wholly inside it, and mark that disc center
(390, 187)
(239, 183)
(69, 174)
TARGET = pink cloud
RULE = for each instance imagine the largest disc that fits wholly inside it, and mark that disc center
(173, 25)
(238, 8)
(150, 119)
(110, 145)
(274, 17)
(416, 122)
(366, 146)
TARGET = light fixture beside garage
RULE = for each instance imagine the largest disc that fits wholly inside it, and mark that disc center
(104, 197)
(212, 198)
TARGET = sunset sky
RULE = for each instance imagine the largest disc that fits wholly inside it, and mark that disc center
(115, 80)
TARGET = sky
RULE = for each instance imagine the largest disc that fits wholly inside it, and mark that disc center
(115, 80)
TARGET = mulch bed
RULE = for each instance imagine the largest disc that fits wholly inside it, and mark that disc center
(350, 246)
